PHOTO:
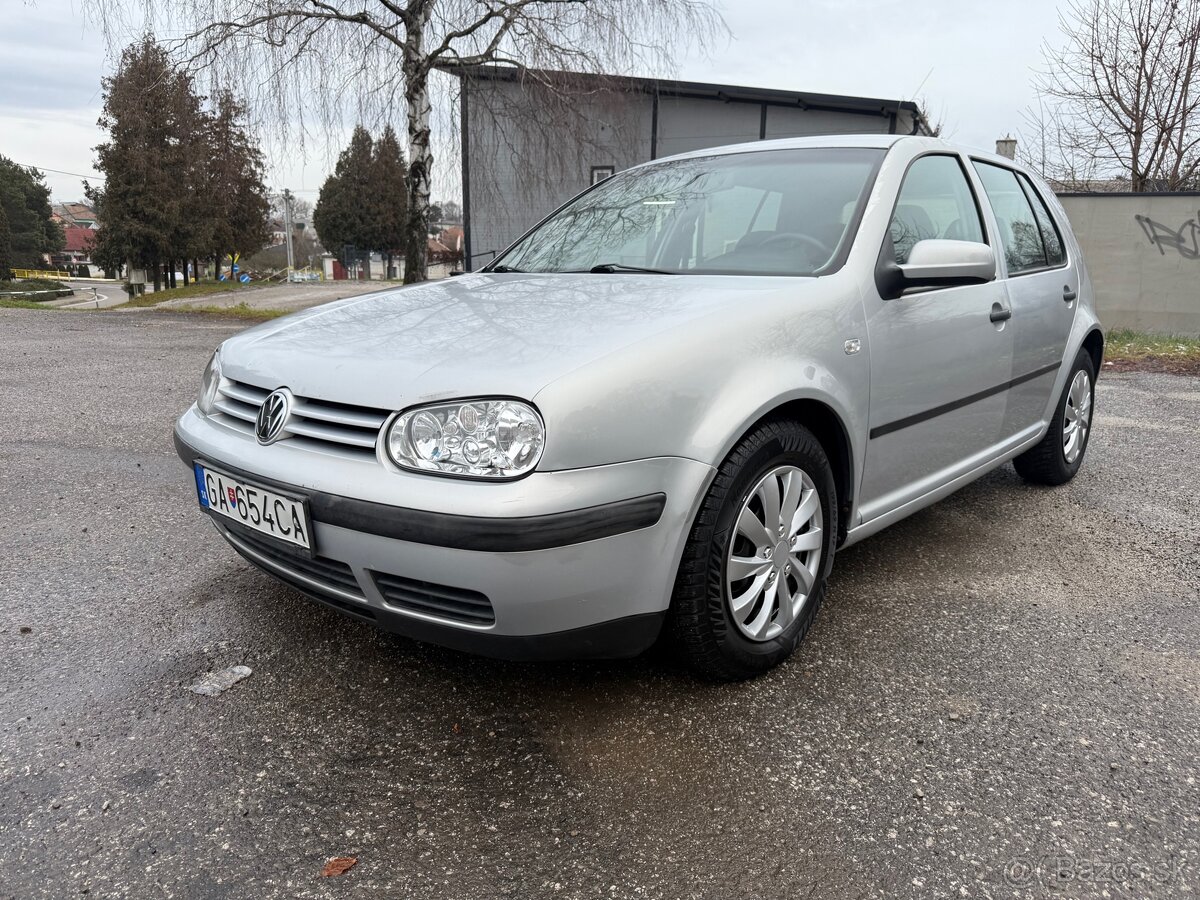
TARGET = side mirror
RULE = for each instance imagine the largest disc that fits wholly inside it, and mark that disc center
(936, 263)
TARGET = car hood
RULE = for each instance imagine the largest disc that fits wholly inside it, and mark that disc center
(482, 334)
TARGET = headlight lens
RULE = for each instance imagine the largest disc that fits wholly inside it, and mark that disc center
(474, 438)
(209, 385)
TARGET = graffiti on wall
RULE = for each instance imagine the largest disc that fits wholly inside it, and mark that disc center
(1184, 240)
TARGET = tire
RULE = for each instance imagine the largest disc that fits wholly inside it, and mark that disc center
(1054, 460)
(703, 625)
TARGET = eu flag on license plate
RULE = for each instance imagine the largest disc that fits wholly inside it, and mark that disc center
(201, 490)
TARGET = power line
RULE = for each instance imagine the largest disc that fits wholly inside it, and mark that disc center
(96, 175)
(58, 171)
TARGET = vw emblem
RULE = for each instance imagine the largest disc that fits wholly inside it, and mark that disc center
(273, 416)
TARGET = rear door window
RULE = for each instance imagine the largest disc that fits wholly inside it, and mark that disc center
(1020, 235)
(935, 202)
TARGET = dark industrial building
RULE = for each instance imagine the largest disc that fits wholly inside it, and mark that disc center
(532, 140)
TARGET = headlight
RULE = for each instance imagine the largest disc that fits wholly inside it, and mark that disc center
(209, 385)
(474, 438)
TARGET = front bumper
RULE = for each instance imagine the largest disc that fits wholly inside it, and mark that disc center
(568, 564)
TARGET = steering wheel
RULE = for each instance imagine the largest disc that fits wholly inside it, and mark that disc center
(795, 237)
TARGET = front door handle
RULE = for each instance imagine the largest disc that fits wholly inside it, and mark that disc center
(1068, 293)
(1000, 313)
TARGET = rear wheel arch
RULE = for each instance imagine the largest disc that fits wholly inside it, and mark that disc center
(1093, 343)
(1053, 461)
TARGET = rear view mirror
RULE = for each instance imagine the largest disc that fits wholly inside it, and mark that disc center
(936, 263)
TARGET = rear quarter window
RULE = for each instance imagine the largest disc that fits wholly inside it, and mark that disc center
(1056, 254)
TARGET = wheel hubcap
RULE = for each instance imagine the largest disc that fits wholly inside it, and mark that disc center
(775, 554)
(1077, 416)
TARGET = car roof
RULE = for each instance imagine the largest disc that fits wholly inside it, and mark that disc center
(840, 141)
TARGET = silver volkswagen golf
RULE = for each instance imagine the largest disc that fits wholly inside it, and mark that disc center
(663, 409)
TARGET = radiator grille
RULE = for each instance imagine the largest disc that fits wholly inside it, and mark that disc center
(318, 424)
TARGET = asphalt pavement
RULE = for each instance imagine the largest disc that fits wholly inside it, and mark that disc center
(1000, 698)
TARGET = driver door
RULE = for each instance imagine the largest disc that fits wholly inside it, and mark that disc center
(940, 359)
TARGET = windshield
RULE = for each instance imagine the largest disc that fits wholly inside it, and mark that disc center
(772, 212)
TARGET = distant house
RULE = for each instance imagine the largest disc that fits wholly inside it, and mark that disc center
(1092, 186)
(78, 249)
(79, 224)
(453, 238)
(436, 249)
(447, 246)
(74, 214)
(279, 232)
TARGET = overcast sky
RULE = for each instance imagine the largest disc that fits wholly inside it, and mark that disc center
(973, 63)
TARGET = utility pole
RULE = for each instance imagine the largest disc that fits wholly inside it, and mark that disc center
(287, 231)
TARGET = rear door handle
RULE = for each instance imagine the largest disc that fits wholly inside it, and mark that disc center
(1068, 293)
(1000, 313)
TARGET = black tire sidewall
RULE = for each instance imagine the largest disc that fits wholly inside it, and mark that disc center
(1083, 362)
(774, 451)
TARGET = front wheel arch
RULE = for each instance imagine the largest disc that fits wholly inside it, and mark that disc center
(701, 618)
(830, 431)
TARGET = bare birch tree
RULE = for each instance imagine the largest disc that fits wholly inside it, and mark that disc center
(293, 58)
(1124, 89)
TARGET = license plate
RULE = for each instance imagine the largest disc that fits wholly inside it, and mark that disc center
(283, 517)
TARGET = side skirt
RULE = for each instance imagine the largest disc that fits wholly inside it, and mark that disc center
(883, 520)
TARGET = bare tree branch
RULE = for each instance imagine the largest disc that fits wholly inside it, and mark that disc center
(1122, 86)
(380, 61)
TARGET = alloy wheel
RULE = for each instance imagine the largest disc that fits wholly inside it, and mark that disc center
(1077, 416)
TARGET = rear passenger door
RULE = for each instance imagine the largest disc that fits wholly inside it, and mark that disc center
(939, 364)
(1042, 284)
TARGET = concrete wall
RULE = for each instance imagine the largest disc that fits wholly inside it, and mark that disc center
(1143, 254)
(524, 155)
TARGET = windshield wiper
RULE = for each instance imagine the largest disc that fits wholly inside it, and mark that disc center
(610, 268)
(503, 268)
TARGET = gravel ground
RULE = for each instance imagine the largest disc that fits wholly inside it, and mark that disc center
(1001, 697)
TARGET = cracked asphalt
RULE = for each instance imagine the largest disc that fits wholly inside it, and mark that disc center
(1000, 698)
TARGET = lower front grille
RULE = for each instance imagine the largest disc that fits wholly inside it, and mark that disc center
(353, 609)
(325, 574)
(458, 604)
